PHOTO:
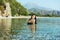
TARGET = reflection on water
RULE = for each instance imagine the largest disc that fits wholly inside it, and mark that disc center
(17, 29)
(33, 29)
(5, 26)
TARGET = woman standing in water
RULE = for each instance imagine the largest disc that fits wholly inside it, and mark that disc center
(32, 20)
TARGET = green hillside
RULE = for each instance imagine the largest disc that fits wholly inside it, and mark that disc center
(16, 7)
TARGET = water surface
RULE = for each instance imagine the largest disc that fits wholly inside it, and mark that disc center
(17, 29)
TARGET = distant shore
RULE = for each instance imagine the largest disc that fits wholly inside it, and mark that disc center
(28, 17)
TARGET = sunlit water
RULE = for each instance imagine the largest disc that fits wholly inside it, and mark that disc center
(17, 29)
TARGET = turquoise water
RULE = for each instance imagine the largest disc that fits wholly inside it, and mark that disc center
(17, 29)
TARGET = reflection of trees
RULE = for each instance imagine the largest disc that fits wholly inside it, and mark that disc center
(17, 24)
(5, 25)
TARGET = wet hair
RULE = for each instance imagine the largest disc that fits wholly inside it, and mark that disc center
(35, 20)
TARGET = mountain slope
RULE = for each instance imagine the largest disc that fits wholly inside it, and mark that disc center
(16, 7)
(45, 12)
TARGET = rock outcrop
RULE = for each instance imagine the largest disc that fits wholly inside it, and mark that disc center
(7, 10)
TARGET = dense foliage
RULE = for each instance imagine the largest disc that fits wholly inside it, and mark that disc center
(16, 7)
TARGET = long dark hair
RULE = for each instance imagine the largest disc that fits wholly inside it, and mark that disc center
(34, 18)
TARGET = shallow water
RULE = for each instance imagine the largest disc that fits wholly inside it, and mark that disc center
(17, 29)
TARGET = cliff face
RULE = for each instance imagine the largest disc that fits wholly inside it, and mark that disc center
(5, 10)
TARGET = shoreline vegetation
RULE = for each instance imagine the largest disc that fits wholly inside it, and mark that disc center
(26, 17)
